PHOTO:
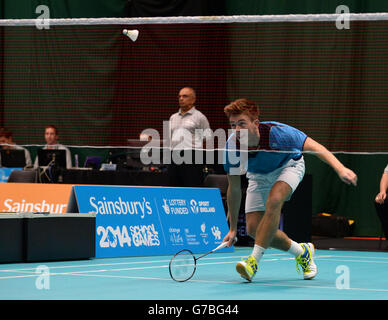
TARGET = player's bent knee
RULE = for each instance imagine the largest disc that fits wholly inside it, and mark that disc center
(274, 204)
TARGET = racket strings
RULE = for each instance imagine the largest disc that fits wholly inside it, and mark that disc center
(182, 266)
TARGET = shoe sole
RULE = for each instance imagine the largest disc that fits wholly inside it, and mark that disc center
(243, 273)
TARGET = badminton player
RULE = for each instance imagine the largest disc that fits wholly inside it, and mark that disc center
(272, 178)
(381, 202)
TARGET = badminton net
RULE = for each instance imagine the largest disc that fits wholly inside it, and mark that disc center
(101, 89)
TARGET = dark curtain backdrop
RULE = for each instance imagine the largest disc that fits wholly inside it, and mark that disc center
(164, 8)
(150, 77)
(247, 7)
(97, 86)
(25, 9)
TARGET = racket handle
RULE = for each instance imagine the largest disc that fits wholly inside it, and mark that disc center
(224, 244)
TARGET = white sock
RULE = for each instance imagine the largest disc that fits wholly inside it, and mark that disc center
(257, 252)
(296, 249)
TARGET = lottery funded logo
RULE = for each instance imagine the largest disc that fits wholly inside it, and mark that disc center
(175, 207)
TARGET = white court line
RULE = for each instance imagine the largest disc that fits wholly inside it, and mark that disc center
(85, 265)
(82, 272)
(95, 273)
(29, 270)
(32, 269)
(356, 261)
(287, 257)
(257, 283)
(202, 263)
(359, 257)
(103, 270)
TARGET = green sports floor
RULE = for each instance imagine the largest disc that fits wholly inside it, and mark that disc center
(342, 275)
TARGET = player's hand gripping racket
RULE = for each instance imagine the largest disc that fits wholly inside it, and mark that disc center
(183, 264)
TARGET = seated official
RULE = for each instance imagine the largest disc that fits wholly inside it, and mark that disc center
(51, 136)
(7, 143)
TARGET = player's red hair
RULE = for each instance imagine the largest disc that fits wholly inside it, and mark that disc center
(242, 106)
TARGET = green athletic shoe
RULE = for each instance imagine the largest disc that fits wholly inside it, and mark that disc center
(247, 267)
(306, 261)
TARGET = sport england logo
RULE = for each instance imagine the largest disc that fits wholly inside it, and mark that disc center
(201, 206)
(194, 206)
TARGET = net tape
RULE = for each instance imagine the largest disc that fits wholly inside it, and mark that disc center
(202, 19)
(219, 149)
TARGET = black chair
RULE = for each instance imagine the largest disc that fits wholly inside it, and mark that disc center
(23, 176)
(219, 181)
(382, 213)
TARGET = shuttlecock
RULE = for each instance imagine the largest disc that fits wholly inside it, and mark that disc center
(131, 34)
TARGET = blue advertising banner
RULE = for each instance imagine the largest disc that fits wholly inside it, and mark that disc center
(136, 221)
(6, 172)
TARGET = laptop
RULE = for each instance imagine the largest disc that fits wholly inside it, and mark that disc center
(12, 158)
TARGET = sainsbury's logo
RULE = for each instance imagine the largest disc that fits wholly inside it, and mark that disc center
(120, 206)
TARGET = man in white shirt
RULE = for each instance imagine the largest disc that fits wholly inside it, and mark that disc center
(51, 136)
(188, 126)
(188, 129)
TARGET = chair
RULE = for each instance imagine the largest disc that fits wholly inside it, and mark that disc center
(219, 181)
(23, 176)
(382, 210)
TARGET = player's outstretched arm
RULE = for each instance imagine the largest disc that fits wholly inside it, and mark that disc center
(233, 200)
(380, 198)
(345, 174)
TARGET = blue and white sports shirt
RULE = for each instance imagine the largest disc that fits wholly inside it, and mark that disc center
(274, 136)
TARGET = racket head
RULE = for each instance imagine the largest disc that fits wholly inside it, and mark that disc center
(182, 266)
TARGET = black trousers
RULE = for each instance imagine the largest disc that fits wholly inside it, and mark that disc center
(382, 213)
(187, 174)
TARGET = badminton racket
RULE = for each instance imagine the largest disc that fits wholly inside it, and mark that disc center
(184, 264)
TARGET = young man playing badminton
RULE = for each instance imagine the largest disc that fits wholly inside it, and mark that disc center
(275, 167)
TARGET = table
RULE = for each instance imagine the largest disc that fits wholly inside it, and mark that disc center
(125, 177)
(28, 237)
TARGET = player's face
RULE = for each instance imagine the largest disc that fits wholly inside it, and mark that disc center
(240, 122)
(186, 99)
(50, 136)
